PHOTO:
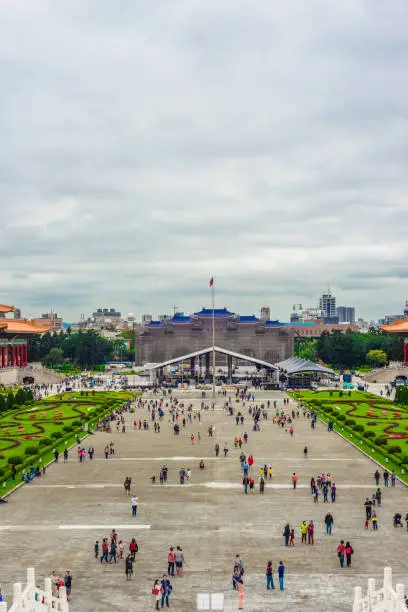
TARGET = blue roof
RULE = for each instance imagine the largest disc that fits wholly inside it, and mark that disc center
(155, 323)
(302, 324)
(218, 312)
(273, 323)
(180, 318)
(247, 319)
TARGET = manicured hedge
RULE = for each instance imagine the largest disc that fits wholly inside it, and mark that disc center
(31, 450)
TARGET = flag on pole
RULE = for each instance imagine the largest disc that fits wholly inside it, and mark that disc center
(211, 282)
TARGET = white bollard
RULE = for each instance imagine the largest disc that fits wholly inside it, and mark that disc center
(400, 603)
(387, 583)
(358, 596)
(31, 582)
(63, 602)
(17, 594)
(48, 592)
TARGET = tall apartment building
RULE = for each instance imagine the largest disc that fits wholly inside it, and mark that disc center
(346, 314)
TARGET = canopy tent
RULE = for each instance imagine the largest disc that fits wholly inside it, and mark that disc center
(293, 365)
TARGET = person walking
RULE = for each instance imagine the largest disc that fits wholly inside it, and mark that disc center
(269, 576)
(303, 531)
(305, 452)
(262, 485)
(179, 560)
(325, 490)
(245, 482)
(333, 492)
(170, 561)
(386, 476)
(349, 551)
(393, 479)
(377, 476)
(134, 503)
(156, 593)
(286, 534)
(294, 479)
(341, 551)
(166, 590)
(329, 520)
(310, 533)
(378, 496)
(281, 575)
(128, 567)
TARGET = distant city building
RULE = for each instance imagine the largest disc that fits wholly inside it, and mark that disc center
(265, 313)
(164, 317)
(146, 318)
(314, 329)
(325, 312)
(17, 313)
(158, 341)
(388, 319)
(346, 314)
(51, 320)
(106, 313)
(327, 304)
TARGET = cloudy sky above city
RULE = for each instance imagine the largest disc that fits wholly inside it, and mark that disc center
(148, 146)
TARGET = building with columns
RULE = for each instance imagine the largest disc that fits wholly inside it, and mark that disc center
(14, 334)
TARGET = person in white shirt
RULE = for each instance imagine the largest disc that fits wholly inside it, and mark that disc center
(134, 503)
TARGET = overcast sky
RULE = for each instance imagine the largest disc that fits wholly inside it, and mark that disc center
(147, 146)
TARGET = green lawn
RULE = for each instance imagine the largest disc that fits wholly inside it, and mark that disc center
(373, 424)
(52, 423)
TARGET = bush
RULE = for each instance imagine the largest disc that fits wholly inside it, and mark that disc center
(381, 441)
(76, 423)
(56, 435)
(31, 450)
(369, 434)
(44, 442)
(67, 428)
(340, 393)
(15, 460)
(404, 460)
(359, 428)
(401, 395)
(394, 448)
(341, 417)
(349, 422)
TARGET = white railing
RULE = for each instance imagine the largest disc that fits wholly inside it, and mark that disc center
(33, 599)
(385, 599)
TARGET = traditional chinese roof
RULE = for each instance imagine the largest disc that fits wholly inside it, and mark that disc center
(178, 318)
(4, 308)
(218, 313)
(398, 327)
(22, 326)
(247, 319)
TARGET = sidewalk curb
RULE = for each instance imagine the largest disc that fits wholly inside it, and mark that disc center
(363, 452)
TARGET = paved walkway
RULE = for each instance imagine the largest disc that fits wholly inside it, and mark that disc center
(53, 523)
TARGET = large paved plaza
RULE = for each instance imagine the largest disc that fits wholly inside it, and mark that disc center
(53, 523)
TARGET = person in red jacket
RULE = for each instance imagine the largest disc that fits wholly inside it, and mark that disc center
(250, 461)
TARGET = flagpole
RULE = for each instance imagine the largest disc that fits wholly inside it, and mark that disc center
(213, 342)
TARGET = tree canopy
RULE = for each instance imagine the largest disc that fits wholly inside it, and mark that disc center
(349, 350)
(86, 349)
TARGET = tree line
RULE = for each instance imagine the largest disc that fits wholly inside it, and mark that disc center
(352, 349)
(13, 400)
(84, 349)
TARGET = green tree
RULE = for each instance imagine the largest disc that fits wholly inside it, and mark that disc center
(306, 348)
(54, 357)
(376, 357)
(3, 403)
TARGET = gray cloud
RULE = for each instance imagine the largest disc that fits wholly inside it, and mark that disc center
(149, 146)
